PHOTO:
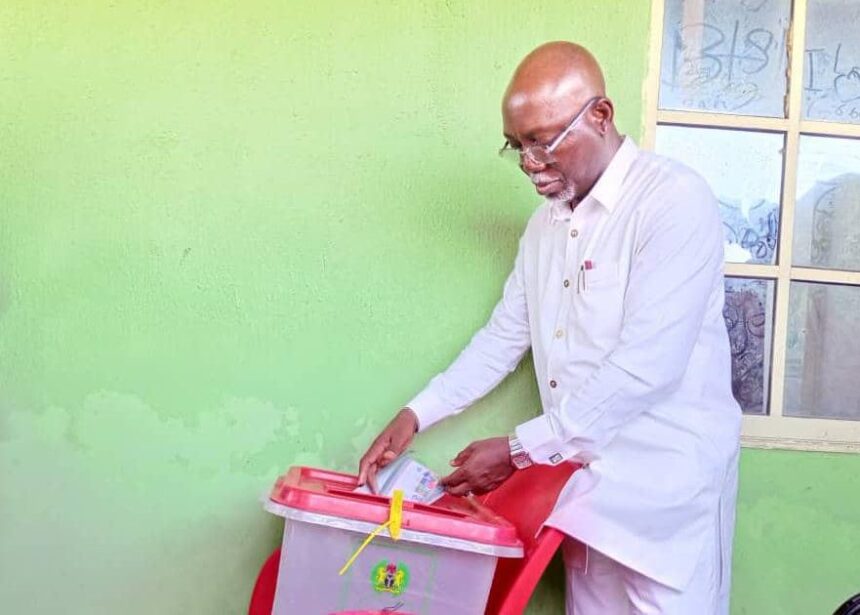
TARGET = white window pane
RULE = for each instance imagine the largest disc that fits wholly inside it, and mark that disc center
(749, 320)
(823, 354)
(827, 214)
(831, 76)
(725, 56)
(744, 170)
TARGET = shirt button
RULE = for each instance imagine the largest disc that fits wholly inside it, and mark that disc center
(566, 283)
(559, 333)
(574, 233)
(552, 384)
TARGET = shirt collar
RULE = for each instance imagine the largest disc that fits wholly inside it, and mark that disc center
(608, 187)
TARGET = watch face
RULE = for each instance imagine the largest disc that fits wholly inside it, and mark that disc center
(521, 461)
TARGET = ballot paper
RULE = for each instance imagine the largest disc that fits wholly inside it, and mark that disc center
(418, 482)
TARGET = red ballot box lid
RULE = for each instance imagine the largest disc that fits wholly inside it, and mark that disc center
(332, 494)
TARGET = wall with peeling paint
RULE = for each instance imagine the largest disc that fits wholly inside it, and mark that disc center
(236, 237)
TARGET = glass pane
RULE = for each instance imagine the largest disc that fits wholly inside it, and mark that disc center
(827, 214)
(749, 319)
(744, 170)
(725, 56)
(831, 78)
(823, 354)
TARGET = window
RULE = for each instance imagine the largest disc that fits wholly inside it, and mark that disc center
(762, 97)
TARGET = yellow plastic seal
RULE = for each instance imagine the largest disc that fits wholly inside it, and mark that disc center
(395, 515)
(395, 520)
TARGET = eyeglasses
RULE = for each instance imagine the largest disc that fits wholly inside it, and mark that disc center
(543, 154)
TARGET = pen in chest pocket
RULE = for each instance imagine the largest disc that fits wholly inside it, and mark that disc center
(586, 266)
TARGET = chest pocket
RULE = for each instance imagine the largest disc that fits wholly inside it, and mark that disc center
(600, 304)
(601, 276)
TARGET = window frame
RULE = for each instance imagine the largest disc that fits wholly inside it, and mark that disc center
(771, 430)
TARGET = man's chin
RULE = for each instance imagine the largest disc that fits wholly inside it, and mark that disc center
(563, 197)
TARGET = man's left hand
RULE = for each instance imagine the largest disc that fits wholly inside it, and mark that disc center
(481, 467)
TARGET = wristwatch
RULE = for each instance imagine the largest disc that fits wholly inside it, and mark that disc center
(519, 457)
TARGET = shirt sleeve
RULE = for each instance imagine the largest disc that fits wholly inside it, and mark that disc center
(493, 353)
(676, 269)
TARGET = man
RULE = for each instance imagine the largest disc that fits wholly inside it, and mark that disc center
(617, 288)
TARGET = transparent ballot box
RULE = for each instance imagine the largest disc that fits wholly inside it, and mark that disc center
(442, 562)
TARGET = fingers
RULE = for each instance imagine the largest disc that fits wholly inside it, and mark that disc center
(469, 487)
(364, 466)
(473, 474)
(460, 488)
(371, 457)
(455, 483)
(460, 483)
(455, 477)
(392, 451)
(387, 447)
(387, 457)
(485, 488)
(462, 456)
(371, 478)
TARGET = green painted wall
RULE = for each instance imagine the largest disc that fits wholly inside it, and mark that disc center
(235, 237)
(797, 545)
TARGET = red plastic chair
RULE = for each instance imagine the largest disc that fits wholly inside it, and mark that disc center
(526, 500)
(263, 596)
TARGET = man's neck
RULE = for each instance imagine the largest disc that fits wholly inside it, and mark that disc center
(613, 144)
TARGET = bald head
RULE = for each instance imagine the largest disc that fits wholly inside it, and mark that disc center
(557, 96)
(555, 74)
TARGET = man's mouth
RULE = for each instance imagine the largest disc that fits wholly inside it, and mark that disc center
(548, 187)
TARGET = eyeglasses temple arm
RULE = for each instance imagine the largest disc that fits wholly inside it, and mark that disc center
(557, 141)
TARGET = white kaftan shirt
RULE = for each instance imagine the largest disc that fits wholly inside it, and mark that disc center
(620, 301)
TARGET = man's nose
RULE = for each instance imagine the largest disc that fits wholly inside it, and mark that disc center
(530, 165)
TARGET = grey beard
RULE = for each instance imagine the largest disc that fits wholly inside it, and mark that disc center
(566, 196)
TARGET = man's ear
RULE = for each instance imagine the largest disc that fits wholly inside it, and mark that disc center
(603, 113)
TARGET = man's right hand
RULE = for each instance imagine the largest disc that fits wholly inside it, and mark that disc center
(388, 446)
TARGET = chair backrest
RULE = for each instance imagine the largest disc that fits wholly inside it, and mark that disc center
(526, 500)
(263, 595)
